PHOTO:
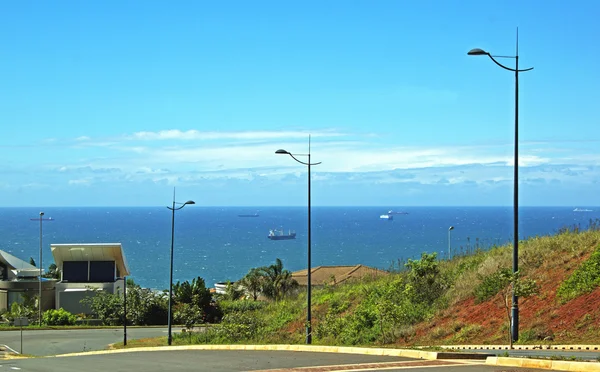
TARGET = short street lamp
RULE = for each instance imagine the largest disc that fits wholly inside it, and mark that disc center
(308, 273)
(173, 209)
(449, 242)
(515, 300)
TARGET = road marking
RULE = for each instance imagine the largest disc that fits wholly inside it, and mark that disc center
(12, 350)
(367, 366)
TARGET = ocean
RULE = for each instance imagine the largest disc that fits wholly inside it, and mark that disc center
(217, 245)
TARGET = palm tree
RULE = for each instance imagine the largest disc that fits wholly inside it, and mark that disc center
(277, 281)
(253, 282)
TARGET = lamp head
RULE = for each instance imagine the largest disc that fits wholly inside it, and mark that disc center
(280, 151)
(451, 228)
(477, 52)
(189, 202)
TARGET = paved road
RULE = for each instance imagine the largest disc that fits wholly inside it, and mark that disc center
(585, 355)
(52, 342)
(209, 360)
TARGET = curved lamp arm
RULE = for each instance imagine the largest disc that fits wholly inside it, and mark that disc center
(508, 68)
(182, 205)
(302, 162)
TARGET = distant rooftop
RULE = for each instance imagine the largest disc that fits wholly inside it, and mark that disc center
(17, 266)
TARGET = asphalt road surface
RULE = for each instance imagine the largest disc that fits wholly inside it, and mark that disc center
(210, 360)
(53, 342)
(585, 355)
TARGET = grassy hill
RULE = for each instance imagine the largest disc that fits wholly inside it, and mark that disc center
(435, 302)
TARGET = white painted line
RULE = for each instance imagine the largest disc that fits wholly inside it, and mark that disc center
(12, 350)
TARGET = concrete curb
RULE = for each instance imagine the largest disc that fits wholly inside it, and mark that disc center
(556, 365)
(408, 353)
(524, 347)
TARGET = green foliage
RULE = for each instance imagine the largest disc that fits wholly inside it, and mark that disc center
(237, 327)
(188, 315)
(492, 284)
(277, 282)
(253, 282)
(194, 292)
(241, 306)
(583, 280)
(144, 307)
(25, 308)
(107, 307)
(58, 317)
(53, 272)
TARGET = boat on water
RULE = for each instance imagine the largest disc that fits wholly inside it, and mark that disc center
(582, 210)
(280, 235)
(394, 212)
(248, 215)
(388, 217)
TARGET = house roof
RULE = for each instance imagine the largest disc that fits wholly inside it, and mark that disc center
(91, 252)
(18, 266)
(335, 274)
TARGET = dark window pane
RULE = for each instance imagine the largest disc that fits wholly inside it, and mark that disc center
(75, 271)
(102, 271)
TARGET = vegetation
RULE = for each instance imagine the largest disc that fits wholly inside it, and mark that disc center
(58, 317)
(428, 301)
(583, 280)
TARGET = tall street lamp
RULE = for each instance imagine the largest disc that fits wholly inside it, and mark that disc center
(308, 275)
(515, 300)
(449, 242)
(41, 266)
(173, 209)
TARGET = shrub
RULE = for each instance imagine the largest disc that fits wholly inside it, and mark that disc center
(58, 317)
(490, 286)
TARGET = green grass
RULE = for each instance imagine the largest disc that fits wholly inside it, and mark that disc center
(583, 280)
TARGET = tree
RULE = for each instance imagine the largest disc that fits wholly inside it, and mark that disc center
(277, 282)
(194, 292)
(32, 262)
(253, 282)
(425, 279)
(522, 288)
(53, 272)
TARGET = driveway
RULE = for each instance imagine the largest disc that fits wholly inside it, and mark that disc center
(52, 342)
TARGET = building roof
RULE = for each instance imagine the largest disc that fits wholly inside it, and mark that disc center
(322, 275)
(18, 266)
(91, 252)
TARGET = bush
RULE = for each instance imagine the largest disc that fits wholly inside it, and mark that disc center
(490, 286)
(58, 317)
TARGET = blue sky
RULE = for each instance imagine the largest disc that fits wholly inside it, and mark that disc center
(116, 102)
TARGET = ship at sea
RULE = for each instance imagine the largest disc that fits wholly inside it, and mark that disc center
(249, 215)
(280, 235)
(394, 212)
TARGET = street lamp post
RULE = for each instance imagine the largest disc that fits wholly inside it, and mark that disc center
(449, 242)
(173, 209)
(308, 272)
(515, 300)
(124, 311)
(41, 266)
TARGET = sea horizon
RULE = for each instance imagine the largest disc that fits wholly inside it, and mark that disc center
(217, 245)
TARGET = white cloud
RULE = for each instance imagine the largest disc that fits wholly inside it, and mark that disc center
(176, 134)
(80, 182)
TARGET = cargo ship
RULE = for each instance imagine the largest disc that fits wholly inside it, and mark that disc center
(280, 235)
